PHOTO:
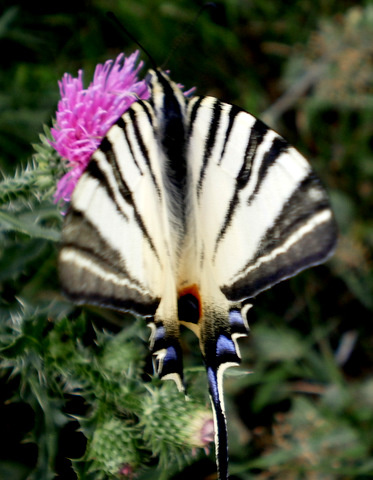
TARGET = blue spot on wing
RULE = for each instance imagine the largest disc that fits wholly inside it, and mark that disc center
(225, 346)
(159, 333)
(171, 362)
(235, 318)
(236, 322)
(171, 355)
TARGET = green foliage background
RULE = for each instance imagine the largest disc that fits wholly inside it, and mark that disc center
(72, 377)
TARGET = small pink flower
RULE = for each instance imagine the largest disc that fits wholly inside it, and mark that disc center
(85, 115)
(127, 471)
(201, 430)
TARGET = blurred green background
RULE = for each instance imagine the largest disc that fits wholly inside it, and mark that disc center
(306, 68)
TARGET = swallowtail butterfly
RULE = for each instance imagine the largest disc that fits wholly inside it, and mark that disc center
(189, 208)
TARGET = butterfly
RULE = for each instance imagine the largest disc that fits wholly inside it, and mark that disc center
(189, 208)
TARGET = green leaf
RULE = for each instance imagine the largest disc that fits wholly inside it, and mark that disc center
(10, 222)
(16, 348)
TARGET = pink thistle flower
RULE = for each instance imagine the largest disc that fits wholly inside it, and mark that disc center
(201, 430)
(85, 115)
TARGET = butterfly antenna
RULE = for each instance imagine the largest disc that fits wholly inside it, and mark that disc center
(114, 18)
(181, 38)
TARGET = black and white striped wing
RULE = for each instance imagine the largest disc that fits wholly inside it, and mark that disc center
(262, 214)
(114, 241)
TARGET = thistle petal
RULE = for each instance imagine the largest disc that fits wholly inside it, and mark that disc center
(85, 115)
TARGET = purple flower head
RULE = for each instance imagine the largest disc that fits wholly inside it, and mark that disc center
(85, 115)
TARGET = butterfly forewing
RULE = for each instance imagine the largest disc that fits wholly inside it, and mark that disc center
(262, 214)
(115, 244)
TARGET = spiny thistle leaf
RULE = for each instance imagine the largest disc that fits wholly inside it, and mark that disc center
(10, 222)
(173, 425)
(114, 445)
(26, 198)
(37, 180)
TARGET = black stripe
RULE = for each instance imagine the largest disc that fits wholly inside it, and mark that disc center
(124, 126)
(233, 112)
(202, 256)
(170, 112)
(173, 132)
(141, 224)
(296, 212)
(279, 146)
(107, 149)
(256, 136)
(82, 235)
(311, 249)
(94, 170)
(193, 115)
(115, 303)
(227, 219)
(146, 108)
(210, 142)
(144, 151)
(170, 130)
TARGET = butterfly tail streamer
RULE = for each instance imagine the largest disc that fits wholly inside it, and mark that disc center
(220, 355)
(220, 423)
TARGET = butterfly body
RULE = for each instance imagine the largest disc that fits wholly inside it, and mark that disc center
(188, 208)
